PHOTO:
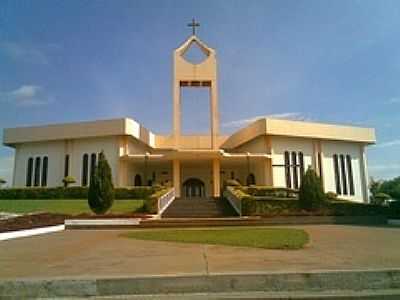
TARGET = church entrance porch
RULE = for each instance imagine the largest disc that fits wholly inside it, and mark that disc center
(193, 188)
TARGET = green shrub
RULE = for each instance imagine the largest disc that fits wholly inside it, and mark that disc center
(331, 196)
(347, 208)
(394, 208)
(379, 198)
(139, 192)
(151, 203)
(311, 194)
(101, 189)
(68, 180)
(231, 182)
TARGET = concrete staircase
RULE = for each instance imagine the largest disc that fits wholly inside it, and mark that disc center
(199, 208)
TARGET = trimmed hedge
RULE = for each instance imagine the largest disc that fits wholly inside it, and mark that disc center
(74, 192)
(151, 203)
(274, 206)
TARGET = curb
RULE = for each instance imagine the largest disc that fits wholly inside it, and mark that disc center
(212, 283)
(30, 232)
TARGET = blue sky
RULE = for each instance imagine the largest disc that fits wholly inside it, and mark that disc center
(330, 61)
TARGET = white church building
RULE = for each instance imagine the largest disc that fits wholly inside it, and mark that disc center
(268, 152)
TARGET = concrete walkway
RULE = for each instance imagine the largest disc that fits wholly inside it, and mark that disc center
(87, 254)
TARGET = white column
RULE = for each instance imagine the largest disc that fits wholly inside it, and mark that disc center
(176, 166)
(216, 178)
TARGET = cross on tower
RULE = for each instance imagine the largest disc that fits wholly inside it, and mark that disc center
(193, 25)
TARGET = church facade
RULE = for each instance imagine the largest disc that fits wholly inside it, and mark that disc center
(269, 152)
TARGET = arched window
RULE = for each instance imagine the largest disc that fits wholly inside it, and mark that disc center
(36, 180)
(232, 175)
(337, 174)
(85, 162)
(45, 170)
(29, 170)
(251, 179)
(66, 166)
(350, 175)
(295, 173)
(344, 177)
(287, 170)
(93, 158)
(138, 180)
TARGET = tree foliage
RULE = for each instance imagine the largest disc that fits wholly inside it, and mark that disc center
(389, 187)
(101, 189)
(2, 182)
(311, 194)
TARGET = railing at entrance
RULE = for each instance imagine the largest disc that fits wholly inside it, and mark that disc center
(233, 200)
(165, 200)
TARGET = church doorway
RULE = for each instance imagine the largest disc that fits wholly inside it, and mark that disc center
(194, 188)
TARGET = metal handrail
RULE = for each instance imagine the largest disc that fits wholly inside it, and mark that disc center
(233, 200)
(165, 200)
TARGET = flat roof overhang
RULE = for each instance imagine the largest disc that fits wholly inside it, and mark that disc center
(194, 155)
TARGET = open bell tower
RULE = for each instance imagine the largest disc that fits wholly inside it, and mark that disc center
(201, 75)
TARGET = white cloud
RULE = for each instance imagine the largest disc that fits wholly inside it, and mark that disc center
(23, 53)
(6, 168)
(389, 144)
(394, 100)
(26, 95)
(296, 116)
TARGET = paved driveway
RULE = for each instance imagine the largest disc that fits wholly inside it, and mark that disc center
(105, 253)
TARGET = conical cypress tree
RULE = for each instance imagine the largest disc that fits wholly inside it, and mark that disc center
(101, 189)
(311, 194)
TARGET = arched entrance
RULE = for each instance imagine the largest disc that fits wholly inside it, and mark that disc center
(138, 180)
(194, 188)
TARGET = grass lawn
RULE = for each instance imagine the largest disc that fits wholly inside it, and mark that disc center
(268, 238)
(62, 206)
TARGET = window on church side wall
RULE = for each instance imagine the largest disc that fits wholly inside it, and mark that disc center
(29, 170)
(287, 170)
(320, 164)
(344, 177)
(66, 166)
(85, 162)
(350, 174)
(45, 170)
(36, 180)
(295, 173)
(251, 179)
(301, 163)
(337, 174)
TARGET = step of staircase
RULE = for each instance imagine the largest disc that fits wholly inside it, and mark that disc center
(199, 208)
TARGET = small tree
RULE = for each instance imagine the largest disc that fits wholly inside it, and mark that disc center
(101, 189)
(2, 182)
(68, 180)
(380, 199)
(311, 194)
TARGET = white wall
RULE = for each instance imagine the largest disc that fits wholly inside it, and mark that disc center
(56, 151)
(281, 144)
(329, 148)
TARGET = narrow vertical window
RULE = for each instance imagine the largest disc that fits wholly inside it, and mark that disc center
(29, 170)
(45, 170)
(66, 166)
(295, 173)
(337, 175)
(350, 175)
(85, 162)
(36, 180)
(344, 177)
(320, 164)
(301, 163)
(287, 170)
(93, 157)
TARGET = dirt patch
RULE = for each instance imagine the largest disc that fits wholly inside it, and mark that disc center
(31, 221)
(49, 219)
